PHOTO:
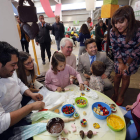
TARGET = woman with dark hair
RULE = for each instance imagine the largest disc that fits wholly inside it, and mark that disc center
(27, 71)
(99, 34)
(84, 34)
(125, 41)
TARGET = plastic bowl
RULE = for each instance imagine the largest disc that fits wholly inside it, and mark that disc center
(81, 106)
(67, 115)
(103, 105)
(54, 121)
(118, 118)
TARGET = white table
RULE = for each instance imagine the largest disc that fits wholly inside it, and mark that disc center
(104, 132)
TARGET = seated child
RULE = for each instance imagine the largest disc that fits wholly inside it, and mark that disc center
(97, 70)
(104, 43)
(133, 131)
(58, 77)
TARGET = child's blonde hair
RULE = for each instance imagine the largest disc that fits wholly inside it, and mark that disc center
(98, 68)
(57, 56)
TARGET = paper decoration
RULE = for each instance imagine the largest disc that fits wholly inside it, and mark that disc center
(108, 10)
(57, 9)
(47, 8)
(90, 5)
(110, 2)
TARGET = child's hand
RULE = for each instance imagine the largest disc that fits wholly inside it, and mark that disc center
(128, 107)
(59, 89)
(87, 76)
(82, 87)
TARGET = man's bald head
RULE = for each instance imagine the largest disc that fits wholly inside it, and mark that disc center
(57, 19)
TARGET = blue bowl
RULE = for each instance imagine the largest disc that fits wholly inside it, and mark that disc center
(67, 115)
(103, 105)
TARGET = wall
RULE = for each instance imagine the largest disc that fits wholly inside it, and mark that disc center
(8, 28)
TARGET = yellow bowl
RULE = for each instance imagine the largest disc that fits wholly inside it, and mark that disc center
(115, 123)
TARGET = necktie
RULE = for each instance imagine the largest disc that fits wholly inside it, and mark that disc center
(92, 59)
(42, 25)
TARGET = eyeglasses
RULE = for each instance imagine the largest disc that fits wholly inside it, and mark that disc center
(29, 63)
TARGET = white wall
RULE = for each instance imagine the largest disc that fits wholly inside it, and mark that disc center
(8, 28)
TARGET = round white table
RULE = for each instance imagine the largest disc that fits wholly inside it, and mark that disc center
(104, 132)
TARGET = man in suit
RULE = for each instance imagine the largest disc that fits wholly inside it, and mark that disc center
(44, 38)
(24, 39)
(58, 31)
(88, 58)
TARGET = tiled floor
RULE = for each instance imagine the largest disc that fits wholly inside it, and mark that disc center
(134, 82)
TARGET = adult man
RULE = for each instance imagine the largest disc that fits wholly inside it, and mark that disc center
(24, 39)
(11, 90)
(43, 38)
(58, 31)
(92, 55)
(88, 22)
(67, 48)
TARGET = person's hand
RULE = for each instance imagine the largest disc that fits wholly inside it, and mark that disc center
(87, 76)
(37, 43)
(82, 87)
(104, 76)
(37, 97)
(38, 105)
(125, 69)
(128, 107)
(121, 68)
(43, 21)
(86, 83)
(59, 89)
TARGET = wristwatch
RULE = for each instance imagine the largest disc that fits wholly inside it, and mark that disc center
(127, 64)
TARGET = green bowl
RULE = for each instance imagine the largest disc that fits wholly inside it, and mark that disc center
(116, 130)
(81, 106)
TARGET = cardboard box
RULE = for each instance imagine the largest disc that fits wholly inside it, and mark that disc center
(108, 10)
(110, 2)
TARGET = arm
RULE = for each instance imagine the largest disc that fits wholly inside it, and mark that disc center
(80, 38)
(48, 82)
(53, 31)
(97, 34)
(74, 62)
(48, 27)
(109, 65)
(9, 119)
(81, 69)
(63, 29)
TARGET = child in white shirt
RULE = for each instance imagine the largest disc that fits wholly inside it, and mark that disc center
(96, 82)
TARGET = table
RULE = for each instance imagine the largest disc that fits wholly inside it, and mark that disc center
(103, 133)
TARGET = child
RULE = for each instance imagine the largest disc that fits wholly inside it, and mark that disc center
(58, 77)
(133, 131)
(97, 70)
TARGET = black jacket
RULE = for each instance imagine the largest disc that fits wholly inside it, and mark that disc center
(44, 33)
(98, 34)
(58, 32)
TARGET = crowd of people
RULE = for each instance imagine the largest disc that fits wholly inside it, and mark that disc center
(18, 71)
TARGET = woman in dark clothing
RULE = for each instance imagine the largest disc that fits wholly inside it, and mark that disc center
(99, 34)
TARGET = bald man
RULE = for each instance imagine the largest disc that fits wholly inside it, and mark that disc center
(58, 31)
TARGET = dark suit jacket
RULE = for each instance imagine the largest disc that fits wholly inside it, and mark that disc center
(44, 33)
(98, 34)
(58, 32)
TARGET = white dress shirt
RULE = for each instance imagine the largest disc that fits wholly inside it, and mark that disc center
(11, 90)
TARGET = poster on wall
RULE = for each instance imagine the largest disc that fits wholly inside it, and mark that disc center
(75, 23)
(137, 10)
